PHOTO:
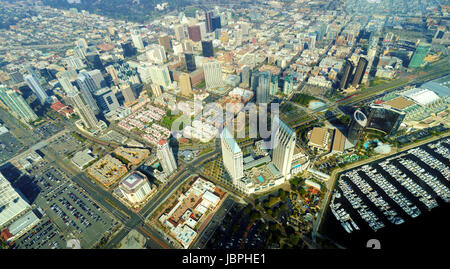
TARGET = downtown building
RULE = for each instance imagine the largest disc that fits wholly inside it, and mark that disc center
(36, 87)
(232, 157)
(11, 202)
(85, 112)
(360, 71)
(213, 74)
(283, 147)
(263, 89)
(166, 157)
(16, 104)
(135, 188)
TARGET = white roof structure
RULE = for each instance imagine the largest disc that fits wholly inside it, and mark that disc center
(11, 203)
(421, 96)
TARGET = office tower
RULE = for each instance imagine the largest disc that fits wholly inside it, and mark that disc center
(84, 111)
(160, 76)
(156, 90)
(97, 78)
(94, 61)
(74, 63)
(419, 55)
(11, 203)
(208, 18)
(166, 157)
(194, 33)
(215, 23)
(190, 62)
(106, 100)
(288, 84)
(137, 39)
(185, 84)
(385, 118)
(262, 91)
(348, 70)
(67, 85)
(213, 74)
(87, 86)
(135, 187)
(128, 49)
(207, 48)
(203, 31)
(127, 93)
(80, 52)
(246, 75)
(156, 54)
(283, 146)
(165, 41)
(360, 70)
(232, 156)
(273, 90)
(254, 80)
(188, 46)
(16, 77)
(357, 127)
(16, 104)
(110, 69)
(180, 32)
(36, 87)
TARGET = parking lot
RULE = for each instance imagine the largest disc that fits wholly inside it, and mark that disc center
(9, 146)
(46, 130)
(72, 214)
(65, 145)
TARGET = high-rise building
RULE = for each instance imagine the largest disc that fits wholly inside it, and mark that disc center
(283, 146)
(180, 32)
(254, 80)
(215, 23)
(94, 61)
(160, 75)
(357, 127)
(194, 33)
(67, 85)
(203, 31)
(190, 62)
(273, 85)
(166, 157)
(84, 111)
(156, 54)
(165, 41)
(419, 55)
(36, 87)
(135, 187)
(360, 70)
(156, 90)
(185, 84)
(213, 74)
(110, 69)
(208, 20)
(16, 77)
(233, 160)
(262, 91)
(97, 78)
(137, 39)
(288, 84)
(246, 75)
(16, 104)
(128, 49)
(207, 48)
(87, 86)
(346, 76)
(127, 93)
(11, 202)
(74, 63)
(106, 100)
(385, 118)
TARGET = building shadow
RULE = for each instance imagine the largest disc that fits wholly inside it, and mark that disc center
(26, 186)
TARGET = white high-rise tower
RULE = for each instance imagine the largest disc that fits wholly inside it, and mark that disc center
(166, 157)
(232, 156)
(283, 147)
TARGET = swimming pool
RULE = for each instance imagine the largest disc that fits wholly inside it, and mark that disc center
(261, 179)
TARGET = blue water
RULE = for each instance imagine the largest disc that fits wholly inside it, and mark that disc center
(261, 179)
(156, 165)
(367, 144)
(316, 105)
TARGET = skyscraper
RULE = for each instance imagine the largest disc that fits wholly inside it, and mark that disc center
(283, 146)
(11, 203)
(106, 100)
(180, 32)
(194, 33)
(185, 84)
(156, 54)
(385, 118)
(94, 61)
(213, 74)
(84, 111)
(36, 87)
(208, 20)
(137, 39)
(166, 157)
(215, 23)
(360, 70)
(156, 90)
(87, 86)
(273, 85)
(74, 63)
(246, 75)
(288, 84)
(128, 49)
(160, 76)
(419, 55)
(357, 126)
(67, 85)
(232, 156)
(348, 70)
(128, 93)
(190, 62)
(165, 41)
(16, 104)
(207, 48)
(262, 92)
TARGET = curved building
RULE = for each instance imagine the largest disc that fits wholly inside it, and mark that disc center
(357, 127)
(385, 118)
